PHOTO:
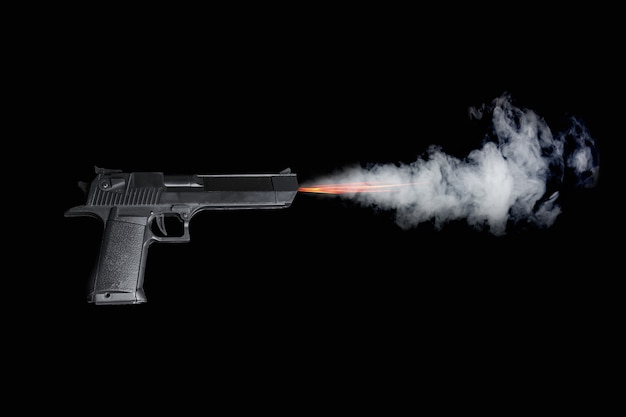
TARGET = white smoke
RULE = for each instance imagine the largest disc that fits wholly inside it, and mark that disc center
(514, 177)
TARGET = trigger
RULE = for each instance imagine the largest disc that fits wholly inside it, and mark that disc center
(160, 221)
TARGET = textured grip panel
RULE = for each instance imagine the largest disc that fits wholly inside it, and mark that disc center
(118, 278)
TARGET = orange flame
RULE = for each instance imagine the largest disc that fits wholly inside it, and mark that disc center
(353, 187)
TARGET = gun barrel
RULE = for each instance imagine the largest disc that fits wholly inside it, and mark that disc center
(182, 181)
(248, 182)
(230, 190)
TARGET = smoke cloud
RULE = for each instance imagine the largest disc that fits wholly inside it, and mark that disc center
(514, 177)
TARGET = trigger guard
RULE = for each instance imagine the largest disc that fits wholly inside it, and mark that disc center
(164, 230)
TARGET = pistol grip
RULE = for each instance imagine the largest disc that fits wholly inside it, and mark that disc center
(119, 272)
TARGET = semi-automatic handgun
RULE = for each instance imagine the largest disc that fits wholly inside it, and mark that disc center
(129, 203)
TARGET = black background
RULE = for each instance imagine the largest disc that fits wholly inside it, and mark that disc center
(292, 291)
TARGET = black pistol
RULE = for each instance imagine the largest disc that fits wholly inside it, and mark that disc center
(129, 202)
